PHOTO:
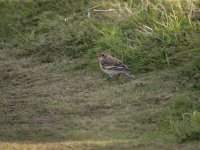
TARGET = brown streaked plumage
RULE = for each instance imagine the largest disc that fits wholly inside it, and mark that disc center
(112, 66)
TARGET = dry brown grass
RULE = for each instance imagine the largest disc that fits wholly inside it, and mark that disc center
(57, 106)
(98, 145)
(54, 96)
(44, 103)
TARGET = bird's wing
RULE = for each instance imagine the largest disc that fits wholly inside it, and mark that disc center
(113, 63)
(114, 60)
(117, 68)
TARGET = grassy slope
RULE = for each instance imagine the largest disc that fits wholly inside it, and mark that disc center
(54, 96)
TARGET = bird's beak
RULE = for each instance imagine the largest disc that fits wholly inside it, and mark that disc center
(98, 55)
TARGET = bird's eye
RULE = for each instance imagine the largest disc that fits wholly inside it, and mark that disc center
(102, 55)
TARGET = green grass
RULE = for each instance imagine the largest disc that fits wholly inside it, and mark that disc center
(53, 94)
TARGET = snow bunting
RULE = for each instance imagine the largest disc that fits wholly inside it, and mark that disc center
(112, 66)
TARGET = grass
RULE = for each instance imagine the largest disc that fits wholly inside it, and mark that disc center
(54, 96)
(187, 129)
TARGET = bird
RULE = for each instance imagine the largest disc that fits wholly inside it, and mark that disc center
(112, 65)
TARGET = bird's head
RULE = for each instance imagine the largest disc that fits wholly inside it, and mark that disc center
(101, 56)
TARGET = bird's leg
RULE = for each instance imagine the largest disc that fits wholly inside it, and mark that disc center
(111, 76)
(116, 75)
(108, 79)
